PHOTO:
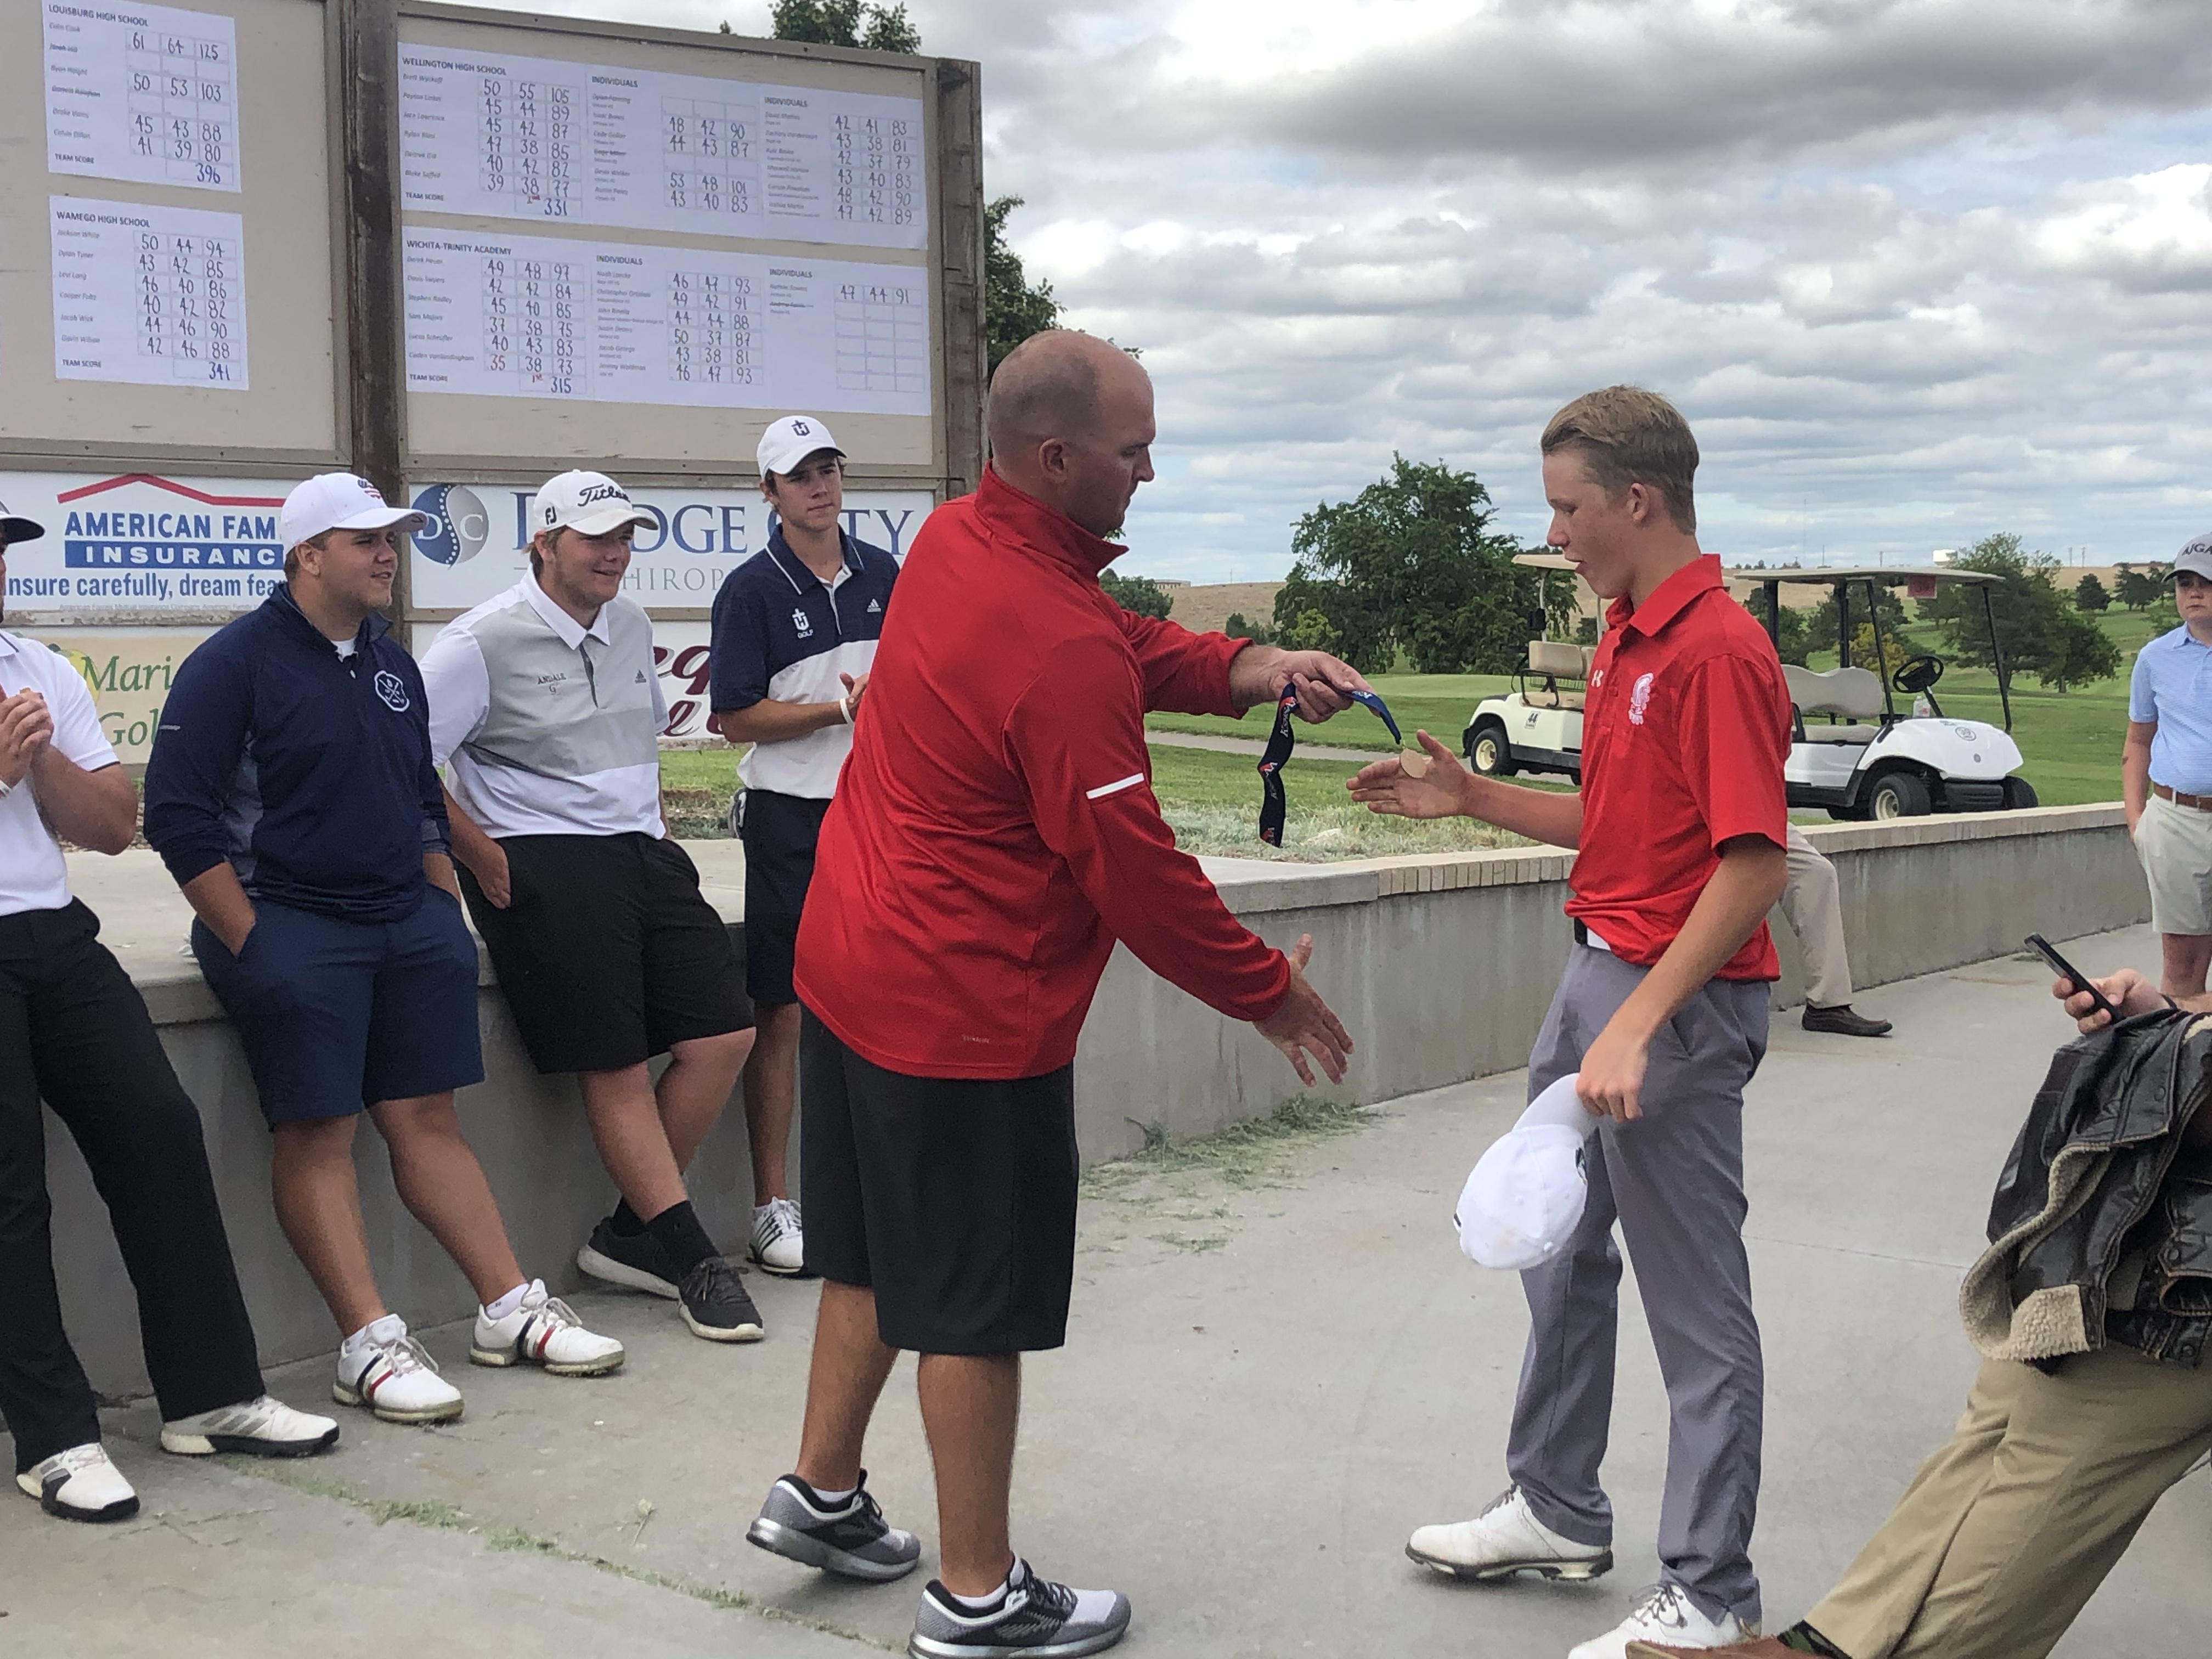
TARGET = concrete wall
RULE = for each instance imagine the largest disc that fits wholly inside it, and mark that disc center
(1441, 966)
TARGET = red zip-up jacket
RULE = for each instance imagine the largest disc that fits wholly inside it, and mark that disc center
(995, 831)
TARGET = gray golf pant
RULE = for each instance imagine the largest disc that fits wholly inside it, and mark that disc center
(1674, 1181)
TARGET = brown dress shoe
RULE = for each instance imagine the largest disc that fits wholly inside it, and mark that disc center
(1764, 1647)
(1840, 1021)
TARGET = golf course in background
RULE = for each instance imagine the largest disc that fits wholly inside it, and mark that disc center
(2070, 741)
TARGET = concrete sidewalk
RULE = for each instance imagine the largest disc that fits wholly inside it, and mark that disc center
(1279, 1365)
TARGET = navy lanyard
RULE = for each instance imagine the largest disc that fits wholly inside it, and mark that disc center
(1273, 807)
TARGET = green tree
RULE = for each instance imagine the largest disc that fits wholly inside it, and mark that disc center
(2037, 631)
(1138, 593)
(844, 23)
(1311, 630)
(1013, 308)
(2076, 652)
(1821, 621)
(1409, 563)
(2090, 594)
(1238, 629)
(1789, 640)
(2139, 590)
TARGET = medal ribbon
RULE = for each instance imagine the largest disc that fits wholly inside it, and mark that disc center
(1274, 806)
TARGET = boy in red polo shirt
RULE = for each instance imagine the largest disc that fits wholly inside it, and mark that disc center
(1679, 830)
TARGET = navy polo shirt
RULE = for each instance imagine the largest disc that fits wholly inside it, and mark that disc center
(780, 632)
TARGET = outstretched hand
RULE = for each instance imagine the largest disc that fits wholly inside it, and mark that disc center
(1385, 785)
(1303, 1023)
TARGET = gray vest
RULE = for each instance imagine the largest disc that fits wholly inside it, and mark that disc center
(564, 713)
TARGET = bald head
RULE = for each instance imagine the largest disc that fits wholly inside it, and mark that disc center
(1071, 424)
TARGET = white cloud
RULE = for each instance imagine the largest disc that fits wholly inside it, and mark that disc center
(1916, 270)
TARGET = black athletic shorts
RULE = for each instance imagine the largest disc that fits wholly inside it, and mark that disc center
(953, 1199)
(779, 832)
(607, 951)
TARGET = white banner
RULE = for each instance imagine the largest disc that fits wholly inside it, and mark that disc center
(140, 541)
(478, 540)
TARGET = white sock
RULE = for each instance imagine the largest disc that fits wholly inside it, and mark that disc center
(835, 1500)
(354, 1344)
(508, 1303)
(980, 1603)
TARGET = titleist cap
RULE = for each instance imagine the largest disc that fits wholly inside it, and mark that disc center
(1520, 1205)
(339, 501)
(790, 440)
(589, 503)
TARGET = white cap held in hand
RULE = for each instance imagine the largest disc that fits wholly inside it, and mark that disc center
(1520, 1205)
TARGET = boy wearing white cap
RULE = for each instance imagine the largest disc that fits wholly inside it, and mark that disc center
(546, 710)
(291, 794)
(794, 635)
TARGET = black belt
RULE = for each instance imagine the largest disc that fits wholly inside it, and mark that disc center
(1273, 807)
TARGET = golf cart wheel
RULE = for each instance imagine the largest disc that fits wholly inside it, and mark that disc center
(1487, 751)
(2019, 795)
(1898, 795)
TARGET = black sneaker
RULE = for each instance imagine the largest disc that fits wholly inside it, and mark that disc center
(636, 1261)
(850, 1539)
(1033, 1619)
(716, 1305)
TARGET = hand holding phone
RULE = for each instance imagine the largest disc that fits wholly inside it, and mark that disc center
(2073, 976)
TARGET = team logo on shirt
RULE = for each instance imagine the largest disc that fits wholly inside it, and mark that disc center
(875, 604)
(1639, 699)
(799, 622)
(393, 689)
(1597, 679)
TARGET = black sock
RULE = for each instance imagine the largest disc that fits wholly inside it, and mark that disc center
(625, 1222)
(677, 1231)
(1802, 1638)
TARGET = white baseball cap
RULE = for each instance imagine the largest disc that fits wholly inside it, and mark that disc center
(590, 503)
(790, 440)
(339, 501)
(1520, 1205)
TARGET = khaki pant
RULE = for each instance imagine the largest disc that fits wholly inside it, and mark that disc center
(1814, 905)
(2006, 1533)
(2174, 844)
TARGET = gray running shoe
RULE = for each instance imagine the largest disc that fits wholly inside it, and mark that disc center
(1034, 1619)
(849, 1538)
(714, 1305)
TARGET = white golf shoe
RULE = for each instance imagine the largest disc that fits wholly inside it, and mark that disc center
(1667, 1618)
(258, 1428)
(1506, 1539)
(390, 1375)
(544, 1331)
(80, 1484)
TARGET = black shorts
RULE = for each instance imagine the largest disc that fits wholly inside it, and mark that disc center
(953, 1199)
(606, 952)
(779, 832)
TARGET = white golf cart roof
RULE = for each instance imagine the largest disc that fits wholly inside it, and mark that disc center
(1888, 575)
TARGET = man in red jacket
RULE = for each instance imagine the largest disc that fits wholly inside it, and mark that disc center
(994, 833)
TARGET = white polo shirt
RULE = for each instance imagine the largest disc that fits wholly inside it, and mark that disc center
(32, 875)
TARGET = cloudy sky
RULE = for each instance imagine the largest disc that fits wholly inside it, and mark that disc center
(1915, 271)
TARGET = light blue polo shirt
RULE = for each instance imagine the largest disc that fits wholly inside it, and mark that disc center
(2172, 685)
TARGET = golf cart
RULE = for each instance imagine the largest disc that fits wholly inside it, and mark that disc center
(1538, 726)
(1851, 753)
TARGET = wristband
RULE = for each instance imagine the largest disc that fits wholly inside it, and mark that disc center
(845, 708)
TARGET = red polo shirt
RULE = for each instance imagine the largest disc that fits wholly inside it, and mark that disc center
(1684, 734)
(995, 831)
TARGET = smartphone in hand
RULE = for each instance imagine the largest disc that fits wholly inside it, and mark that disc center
(2073, 976)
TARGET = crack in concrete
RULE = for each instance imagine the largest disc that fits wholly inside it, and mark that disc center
(438, 1515)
